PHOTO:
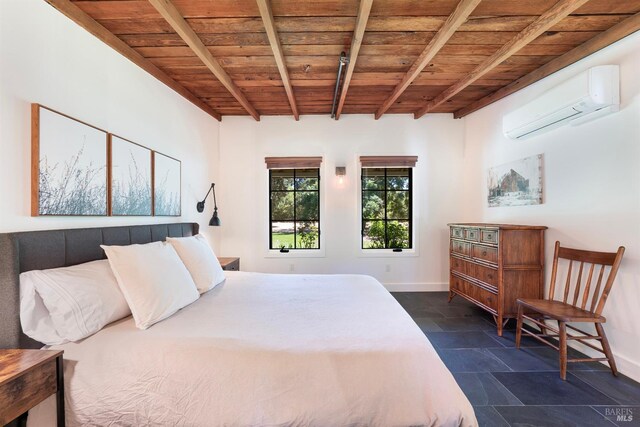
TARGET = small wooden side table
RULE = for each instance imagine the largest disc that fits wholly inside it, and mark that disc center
(230, 263)
(27, 377)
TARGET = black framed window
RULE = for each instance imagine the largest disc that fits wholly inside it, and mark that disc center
(387, 208)
(294, 208)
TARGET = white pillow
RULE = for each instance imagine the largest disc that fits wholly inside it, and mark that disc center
(153, 280)
(70, 303)
(198, 257)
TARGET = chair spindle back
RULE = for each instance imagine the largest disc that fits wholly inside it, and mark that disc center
(596, 262)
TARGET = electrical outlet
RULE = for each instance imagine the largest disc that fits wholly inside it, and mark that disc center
(387, 268)
(291, 267)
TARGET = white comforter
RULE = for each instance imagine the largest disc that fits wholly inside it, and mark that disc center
(265, 350)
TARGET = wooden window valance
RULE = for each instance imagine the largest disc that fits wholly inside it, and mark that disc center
(388, 161)
(292, 162)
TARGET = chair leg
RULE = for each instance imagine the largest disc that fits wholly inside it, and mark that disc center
(519, 326)
(563, 349)
(607, 349)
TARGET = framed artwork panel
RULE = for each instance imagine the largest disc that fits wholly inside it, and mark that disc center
(167, 199)
(131, 171)
(517, 183)
(69, 173)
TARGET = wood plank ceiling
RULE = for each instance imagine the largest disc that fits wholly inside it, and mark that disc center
(397, 71)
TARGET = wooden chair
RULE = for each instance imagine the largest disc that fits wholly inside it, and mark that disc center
(578, 309)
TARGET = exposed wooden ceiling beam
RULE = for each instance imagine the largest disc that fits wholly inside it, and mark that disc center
(548, 19)
(602, 40)
(455, 20)
(180, 26)
(356, 42)
(78, 16)
(274, 41)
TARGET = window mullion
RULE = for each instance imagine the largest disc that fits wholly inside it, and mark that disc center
(318, 202)
(410, 194)
(295, 211)
(362, 225)
(270, 212)
(386, 234)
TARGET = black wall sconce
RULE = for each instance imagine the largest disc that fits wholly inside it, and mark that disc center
(215, 221)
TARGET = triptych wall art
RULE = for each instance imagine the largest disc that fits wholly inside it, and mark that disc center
(80, 170)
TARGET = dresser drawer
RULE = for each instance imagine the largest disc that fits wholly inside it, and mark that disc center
(472, 234)
(456, 283)
(460, 247)
(457, 232)
(486, 274)
(489, 236)
(483, 296)
(485, 253)
(461, 266)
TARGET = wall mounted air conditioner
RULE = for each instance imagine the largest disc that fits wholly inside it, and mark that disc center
(591, 94)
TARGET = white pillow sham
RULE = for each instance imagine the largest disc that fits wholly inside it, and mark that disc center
(198, 257)
(153, 279)
(70, 303)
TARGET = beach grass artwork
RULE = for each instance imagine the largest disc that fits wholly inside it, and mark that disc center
(167, 183)
(131, 193)
(69, 165)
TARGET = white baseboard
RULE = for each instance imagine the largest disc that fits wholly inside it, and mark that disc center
(628, 367)
(416, 287)
(625, 365)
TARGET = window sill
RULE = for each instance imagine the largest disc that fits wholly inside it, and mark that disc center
(387, 253)
(293, 253)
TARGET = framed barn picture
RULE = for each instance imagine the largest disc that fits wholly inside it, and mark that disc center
(68, 166)
(167, 183)
(518, 183)
(131, 165)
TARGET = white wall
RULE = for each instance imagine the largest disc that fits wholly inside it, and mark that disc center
(48, 59)
(436, 140)
(592, 178)
(591, 184)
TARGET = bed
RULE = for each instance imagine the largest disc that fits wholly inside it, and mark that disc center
(258, 350)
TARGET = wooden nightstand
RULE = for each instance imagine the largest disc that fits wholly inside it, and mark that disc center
(230, 263)
(27, 377)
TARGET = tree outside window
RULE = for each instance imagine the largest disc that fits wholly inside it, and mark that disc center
(294, 208)
(386, 208)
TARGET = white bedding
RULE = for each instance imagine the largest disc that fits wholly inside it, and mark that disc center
(265, 350)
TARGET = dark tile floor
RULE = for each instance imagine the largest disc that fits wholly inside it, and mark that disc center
(510, 387)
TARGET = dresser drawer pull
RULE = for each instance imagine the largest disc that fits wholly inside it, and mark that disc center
(484, 253)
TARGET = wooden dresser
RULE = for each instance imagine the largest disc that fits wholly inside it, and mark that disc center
(492, 265)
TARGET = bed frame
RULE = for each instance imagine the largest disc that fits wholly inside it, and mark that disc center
(38, 250)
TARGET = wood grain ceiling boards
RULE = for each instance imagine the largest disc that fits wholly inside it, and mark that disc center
(458, 17)
(312, 33)
(356, 41)
(545, 21)
(276, 47)
(177, 22)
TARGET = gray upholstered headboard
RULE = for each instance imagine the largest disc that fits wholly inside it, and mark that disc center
(38, 250)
